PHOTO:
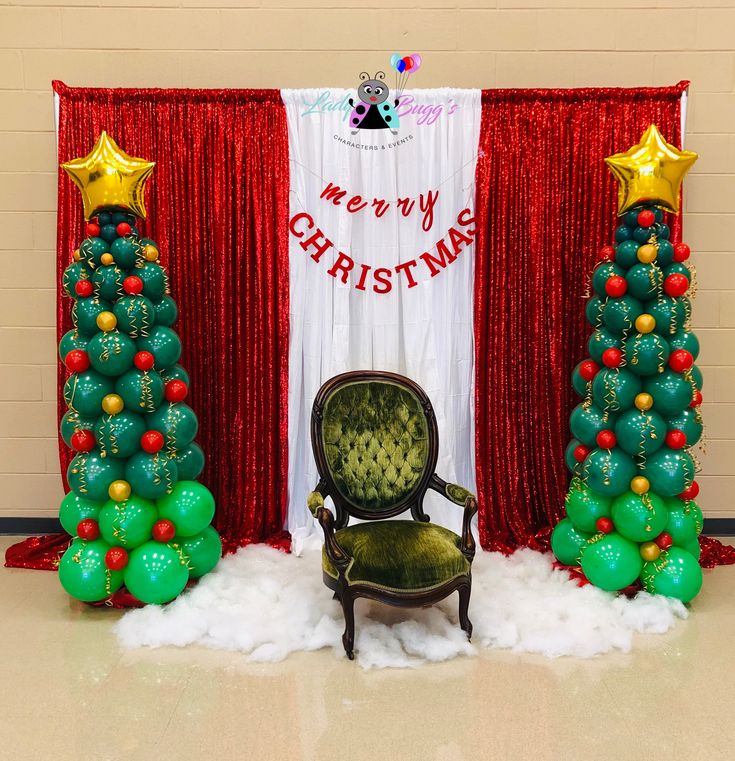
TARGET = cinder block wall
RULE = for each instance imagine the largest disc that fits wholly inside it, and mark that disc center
(295, 43)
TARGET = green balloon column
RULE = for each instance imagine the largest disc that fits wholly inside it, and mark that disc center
(139, 517)
(630, 510)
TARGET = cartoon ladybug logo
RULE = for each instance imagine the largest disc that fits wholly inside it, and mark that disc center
(373, 111)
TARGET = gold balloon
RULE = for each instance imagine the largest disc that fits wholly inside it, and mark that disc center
(645, 323)
(76, 256)
(106, 321)
(647, 253)
(639, 485)
(644, 401)
(650, 172)
(112, 404)
(107, 259)
(109, 177)
(150, 252)
(119, 491)
(650, 551)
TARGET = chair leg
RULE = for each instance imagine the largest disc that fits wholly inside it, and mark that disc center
(348, 638)
(464, 604)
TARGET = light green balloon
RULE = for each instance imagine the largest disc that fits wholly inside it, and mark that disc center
(83, 574)
(675, 573)
(74, 508)
(611, 561)
(567, 542)
(190, 506)
(128, 523)
(156, 573)
(639, 517)
(585, 506)
(203, 551)
(683, 523)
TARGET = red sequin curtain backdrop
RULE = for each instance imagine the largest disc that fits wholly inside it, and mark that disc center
(545, 206)
(217, 206)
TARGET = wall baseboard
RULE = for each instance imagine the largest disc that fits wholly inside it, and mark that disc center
(719, 526)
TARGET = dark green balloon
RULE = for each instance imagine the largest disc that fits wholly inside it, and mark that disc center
(84, 392)
(608, 471)
(675, 573)
(109, 233)
(611, 562)
(74, 508)
(614, 389)
(646, 353)
(176, 421)
(580, 385)
(639, 517)
(586, 421)
(626, 253)
(682, 522)
(585, 506)
(622, 233)
(142, 391)
(190, 462)
(203, 551)
(135, 315)
(90, 475)
(92, 249)
(83, 573)
(190, 506)
(670, 314)
(669, 471)
(684, 339)
(697, 377)
(166, 311)
(111, 353)
(642, 234)
(154, 280)
(126, 251)
(680, 269)
(665, 254)
(175, 372)
(156, 573)
(602, 273)
(569, 458)
(644, 281)
(567, 542)
(600, 340)
(619, 315)
(73, 422)
(75, 272)
(670, 391)
(108, 282)
(630, 218)
(129, 523)
(163, 344)
(689, 422)
(72, 339)
(151, 475)
(85, 311)
(640, 433)
(119, 435)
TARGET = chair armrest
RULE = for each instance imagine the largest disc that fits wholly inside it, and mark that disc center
(459, 496)
(338, 557)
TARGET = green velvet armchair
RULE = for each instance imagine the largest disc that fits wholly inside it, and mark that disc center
(376, 443)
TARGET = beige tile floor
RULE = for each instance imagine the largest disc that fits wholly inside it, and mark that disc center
(68, 692)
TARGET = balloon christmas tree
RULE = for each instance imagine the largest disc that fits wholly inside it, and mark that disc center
(630, 510)
(139, 516)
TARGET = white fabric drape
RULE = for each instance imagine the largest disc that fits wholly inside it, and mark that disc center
(424, 332)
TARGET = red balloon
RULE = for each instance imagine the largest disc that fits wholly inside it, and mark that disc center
(84, 288)
(409, 63)
(88, 529)
(164, 530)
(580, 452)
(691, 493)
(664, 541)
(612, 357)
(588, 369)
(116, 558)
(83, 440)
(144, 360)
(77, 360)
(646, 218)
(680, 360)
(676, 284)
(604, 525)
(123, 229)
(681, 252)
(92, 229)
(616, 286)
(606, 439)
(133, 284)
(152, 441)
(696, 399)
(607, 253)
(676, 439)
(176, 390)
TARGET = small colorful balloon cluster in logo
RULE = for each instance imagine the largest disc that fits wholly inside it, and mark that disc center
(404, 66)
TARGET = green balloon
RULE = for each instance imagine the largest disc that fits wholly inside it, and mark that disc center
(694, 549)
(665, 254)
(644, 281)
(90, 475)
(108, 282)
(619, 315)
(163, 344)
(73, 422)
(151, 475)
(614, 389)
(190, 506)
(578, 382)
(593, 311)
(154, 280)
(567, 542)
(670, 314)
(156, 573)
(675, 573)
(190, 462)
(204, 551)
(111, 353)
(679, 269)
(600, 340)
(639, 517)
(684, 339)
(611, 562)
(126, 251)
(85, 311)
(75, 272)
(671, 392)
(689, 422)
(175, 372)
(92, 249)
(166, 311)
(602, 273)
(72, 339)
(683, 523)
(135, 315)
(142, 391)
(640, 433)
(74, 508)
(85, 391)
(585, 506)
(693, 509)
(119, 435)
(626, 253)
(669, 471)
(571, 461)
(586, 421)
(177, 422)
(608, 471)
(128, 523)
(646, 354)
(83, 574)
(696, 375)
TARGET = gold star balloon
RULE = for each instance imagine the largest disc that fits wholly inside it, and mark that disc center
(108, 177)
(650, 172)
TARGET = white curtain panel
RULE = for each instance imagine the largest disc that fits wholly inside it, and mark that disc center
(424, 332)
